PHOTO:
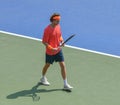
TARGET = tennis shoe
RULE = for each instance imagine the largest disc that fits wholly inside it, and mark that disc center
(67, 87)
(44, 81)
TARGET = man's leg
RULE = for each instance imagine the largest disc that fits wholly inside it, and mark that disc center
(45, 68)
(44, 79)
(64, 76)
(63, 70)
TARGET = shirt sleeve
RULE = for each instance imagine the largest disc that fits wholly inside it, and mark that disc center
(61, 38)
(45, 36)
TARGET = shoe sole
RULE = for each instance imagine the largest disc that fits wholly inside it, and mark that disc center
(44, 84)
(67, 90)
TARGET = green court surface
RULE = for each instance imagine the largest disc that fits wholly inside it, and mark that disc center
(95, 77)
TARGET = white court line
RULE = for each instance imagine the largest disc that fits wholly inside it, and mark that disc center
(87, 50)
(23, 36)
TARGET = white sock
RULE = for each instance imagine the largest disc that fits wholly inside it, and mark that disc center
(43, 76)
(65, 82)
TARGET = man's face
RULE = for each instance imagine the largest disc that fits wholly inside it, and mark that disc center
(56, 22)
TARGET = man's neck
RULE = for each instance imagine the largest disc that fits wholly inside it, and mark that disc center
(53, 25)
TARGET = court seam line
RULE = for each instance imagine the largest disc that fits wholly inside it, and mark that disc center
(73, 47)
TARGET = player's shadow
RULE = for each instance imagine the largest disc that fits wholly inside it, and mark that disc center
(30, 93)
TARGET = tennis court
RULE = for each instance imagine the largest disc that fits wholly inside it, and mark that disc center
(95, 77)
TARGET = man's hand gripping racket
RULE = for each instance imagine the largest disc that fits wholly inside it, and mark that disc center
(70, 37)
(62, 44)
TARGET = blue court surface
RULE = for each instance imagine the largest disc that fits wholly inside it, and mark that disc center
(96, 23)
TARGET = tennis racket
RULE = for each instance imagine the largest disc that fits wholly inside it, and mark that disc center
(70, 37)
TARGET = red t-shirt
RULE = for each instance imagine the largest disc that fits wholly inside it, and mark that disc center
(53, 37)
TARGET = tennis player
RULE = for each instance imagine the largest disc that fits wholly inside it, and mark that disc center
(52, 39)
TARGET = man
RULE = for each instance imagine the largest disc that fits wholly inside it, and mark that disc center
(52, 39)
